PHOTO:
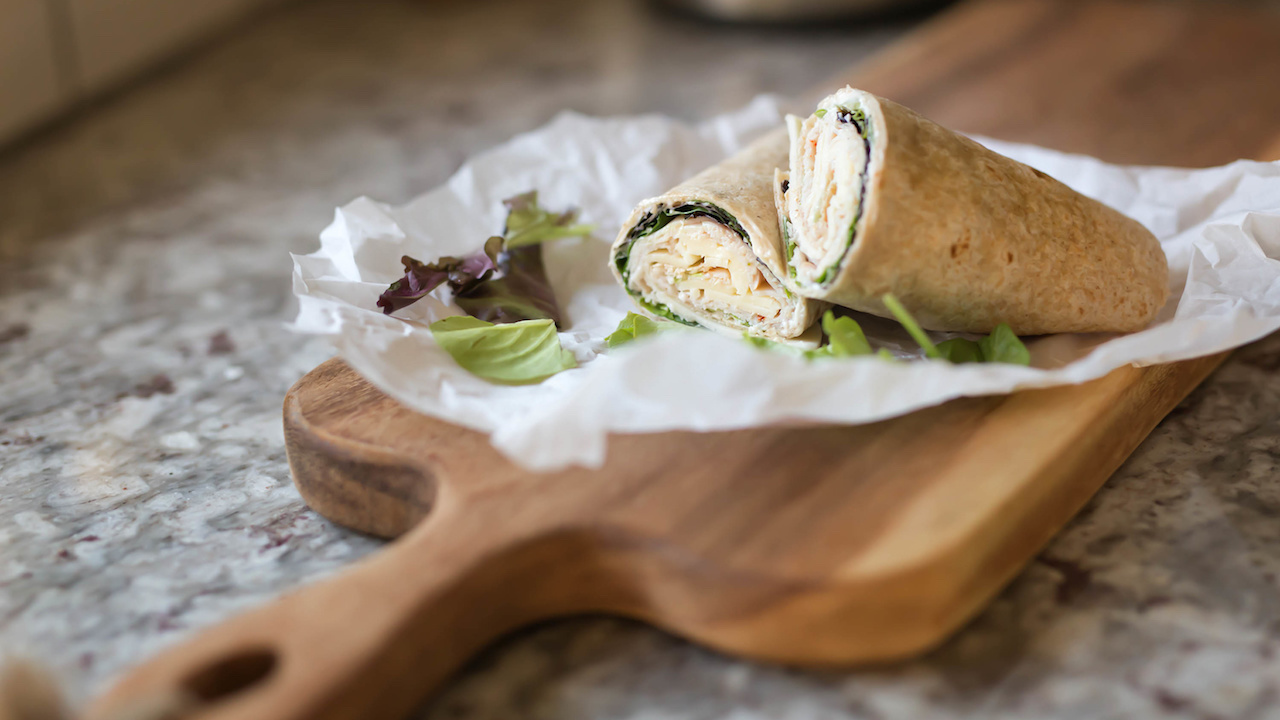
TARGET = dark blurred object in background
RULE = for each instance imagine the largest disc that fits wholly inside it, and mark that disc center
(793, 11)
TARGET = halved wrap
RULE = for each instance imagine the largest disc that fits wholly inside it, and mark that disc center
(878, 199)
(709, 251)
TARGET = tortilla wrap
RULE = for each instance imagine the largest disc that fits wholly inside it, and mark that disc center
(881, 200)
(709, 251)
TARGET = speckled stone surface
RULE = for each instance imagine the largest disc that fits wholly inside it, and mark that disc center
(144, 282)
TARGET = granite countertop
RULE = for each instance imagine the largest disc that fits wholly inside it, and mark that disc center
(143, 288)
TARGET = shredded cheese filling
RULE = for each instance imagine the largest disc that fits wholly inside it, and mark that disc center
(698, 263)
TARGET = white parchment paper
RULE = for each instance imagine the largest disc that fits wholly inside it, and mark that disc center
(1220, 228)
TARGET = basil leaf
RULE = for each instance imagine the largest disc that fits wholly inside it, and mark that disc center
(1003, 346)
(912, 327)
(959, 350)
(635, 326)
(516, 353)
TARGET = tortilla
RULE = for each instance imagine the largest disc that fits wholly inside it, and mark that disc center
(881, 200)
(709, 251)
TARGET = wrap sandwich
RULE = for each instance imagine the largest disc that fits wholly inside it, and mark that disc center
(709, 252)
(880, 200)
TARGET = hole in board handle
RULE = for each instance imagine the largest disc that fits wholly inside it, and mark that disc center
(230, 675)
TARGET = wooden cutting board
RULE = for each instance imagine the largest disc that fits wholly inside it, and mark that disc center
(831, 545)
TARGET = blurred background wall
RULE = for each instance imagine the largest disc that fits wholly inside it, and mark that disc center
(54, 53)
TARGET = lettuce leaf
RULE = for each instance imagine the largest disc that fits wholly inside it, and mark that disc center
(1001, 346)
(960, 350)
(528, 224)
(505, 282)
(1004, 347)
(844, 338)
(912, 327)
(635, 326)
(521, 292)
(421, 278)
(515, 353)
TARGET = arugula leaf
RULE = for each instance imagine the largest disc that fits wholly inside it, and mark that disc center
(633, 327)
(959, 350)
(912, 327)
(1004, 347)
(515, 353)
(529, 224)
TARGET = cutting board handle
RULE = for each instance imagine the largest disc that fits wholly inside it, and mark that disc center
(372, 642)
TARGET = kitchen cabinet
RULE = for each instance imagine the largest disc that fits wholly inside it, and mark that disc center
(30, 86)
(116, 38)
(56, 52)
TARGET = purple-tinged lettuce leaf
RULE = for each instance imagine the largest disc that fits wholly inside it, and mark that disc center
(418, 281)
(521, 292)
(506, 282)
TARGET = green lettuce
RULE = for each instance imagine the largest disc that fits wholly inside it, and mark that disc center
(635, 326)
(517, 353)
(1001, 346)
(960, 350)
(844, 338)
(529, 224)
(1004, 347)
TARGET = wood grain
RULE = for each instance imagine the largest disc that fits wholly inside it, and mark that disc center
(827, 545)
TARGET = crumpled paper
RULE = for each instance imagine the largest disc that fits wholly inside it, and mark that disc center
(1220, 228)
